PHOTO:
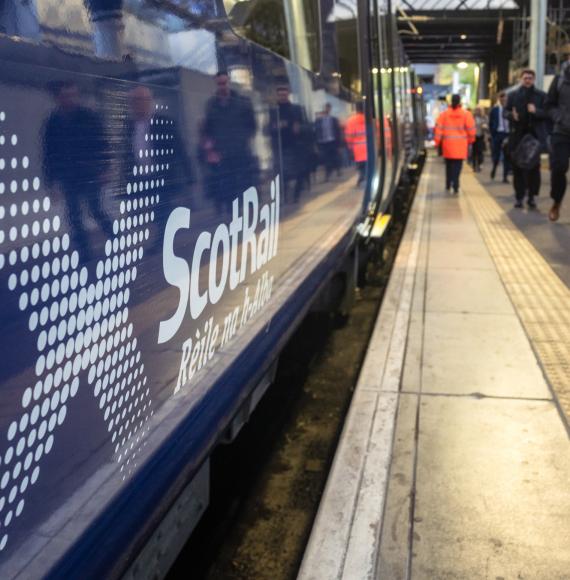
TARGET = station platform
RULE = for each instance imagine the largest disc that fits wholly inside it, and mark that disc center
(454, 461)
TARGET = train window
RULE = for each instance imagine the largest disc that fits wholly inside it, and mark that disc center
(343, 14)
(288, 27)
(150, 32)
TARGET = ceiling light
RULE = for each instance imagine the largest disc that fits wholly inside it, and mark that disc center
(463, 36)
(462, 65)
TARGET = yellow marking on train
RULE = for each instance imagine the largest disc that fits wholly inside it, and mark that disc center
(380, 225)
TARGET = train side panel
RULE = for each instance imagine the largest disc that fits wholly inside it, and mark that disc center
(161, 235)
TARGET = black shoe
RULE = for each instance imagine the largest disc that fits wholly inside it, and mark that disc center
(455, 190)
(505, 180)
(531, 204)
(493, 171)
(518, 204)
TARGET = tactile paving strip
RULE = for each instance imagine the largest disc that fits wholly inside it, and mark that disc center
(541, 332)
(541, 299)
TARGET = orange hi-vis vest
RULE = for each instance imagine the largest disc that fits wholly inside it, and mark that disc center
(355, 135)
(455, 130)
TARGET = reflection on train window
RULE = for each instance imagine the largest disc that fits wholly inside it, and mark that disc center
(288, 27)
(343, 15)
(19, 18)
(152, 32)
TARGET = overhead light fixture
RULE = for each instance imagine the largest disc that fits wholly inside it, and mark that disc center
(463, 37)
(374, 71)
(462, 65)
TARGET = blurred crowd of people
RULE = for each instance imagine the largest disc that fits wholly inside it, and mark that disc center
(82, 159)
(525, 123)
(300, 147)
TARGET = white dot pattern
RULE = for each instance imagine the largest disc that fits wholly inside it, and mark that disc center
(82, 326)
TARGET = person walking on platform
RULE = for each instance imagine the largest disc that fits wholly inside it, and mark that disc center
(478, 148)
(558, 108)
(454, 131)
(499, 129)
(526, 113)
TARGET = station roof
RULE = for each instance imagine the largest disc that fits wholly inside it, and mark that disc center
(456, 30)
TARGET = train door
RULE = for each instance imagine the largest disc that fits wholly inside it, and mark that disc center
(398, 101)
(419, 112)
(407, 113)
(386, 88)
(372, 63)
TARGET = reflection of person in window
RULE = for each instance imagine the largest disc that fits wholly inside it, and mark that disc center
(327, 131)
(287, 126)
(225, 147)
(76, 160)
(164, 160)
(355, 134)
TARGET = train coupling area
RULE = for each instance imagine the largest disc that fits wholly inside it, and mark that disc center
(454, 460)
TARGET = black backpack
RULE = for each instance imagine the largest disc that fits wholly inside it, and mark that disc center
(527, 153)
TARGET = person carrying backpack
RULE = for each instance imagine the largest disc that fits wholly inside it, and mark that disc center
(558, 108)
(525, 112)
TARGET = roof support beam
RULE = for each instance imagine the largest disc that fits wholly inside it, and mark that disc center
(538, 39)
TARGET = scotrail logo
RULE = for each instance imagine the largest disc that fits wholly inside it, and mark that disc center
(220, 253)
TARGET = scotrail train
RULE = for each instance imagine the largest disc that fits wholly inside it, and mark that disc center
(180, 180)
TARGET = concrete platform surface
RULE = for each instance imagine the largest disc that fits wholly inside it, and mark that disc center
(455, 458)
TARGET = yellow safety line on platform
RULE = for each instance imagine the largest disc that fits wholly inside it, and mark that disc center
(540, 298)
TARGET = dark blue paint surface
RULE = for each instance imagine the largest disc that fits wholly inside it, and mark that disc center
(101, 141)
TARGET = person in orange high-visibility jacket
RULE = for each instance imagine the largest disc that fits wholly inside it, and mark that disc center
(454, 131)
(355, 136)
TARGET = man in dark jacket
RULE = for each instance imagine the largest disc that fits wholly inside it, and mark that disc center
(499, 129)
(226, 144)
(558, 108)
(291, 142)
(76, 159)
(526, 114)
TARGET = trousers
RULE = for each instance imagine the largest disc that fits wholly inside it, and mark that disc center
(76, 195)
(559, 161)
(477, 154)
(526, 182)
(497, 152)
(452, 172)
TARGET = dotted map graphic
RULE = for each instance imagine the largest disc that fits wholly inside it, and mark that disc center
(80, 321)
